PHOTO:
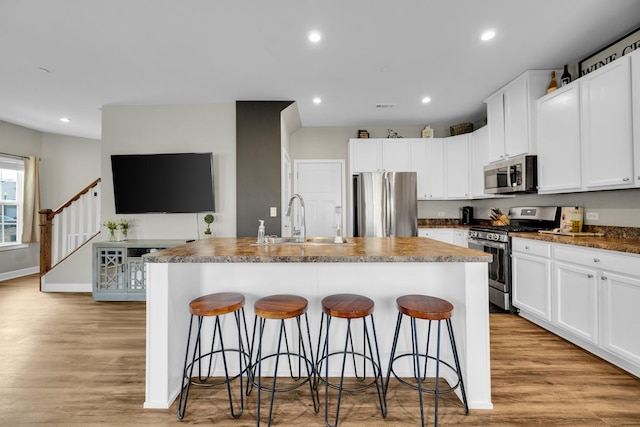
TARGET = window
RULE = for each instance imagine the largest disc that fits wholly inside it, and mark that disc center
(11, 179)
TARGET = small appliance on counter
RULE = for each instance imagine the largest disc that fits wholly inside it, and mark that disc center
(467, 215)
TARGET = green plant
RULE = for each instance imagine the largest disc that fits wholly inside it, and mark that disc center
(124, 225)
(208, 219)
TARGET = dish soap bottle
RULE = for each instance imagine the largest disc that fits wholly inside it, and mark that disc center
(261, 231)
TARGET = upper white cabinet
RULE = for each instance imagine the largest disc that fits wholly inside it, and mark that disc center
(435, 169)
(607, 126)
(457, 166)
(559, 152)
(479, 156)
(635, 87)
(418, 150)
(511, 115)
(375, 154)
(396, 155)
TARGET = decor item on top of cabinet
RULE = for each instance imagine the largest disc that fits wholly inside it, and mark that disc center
(208, 219)
(123, 226)
(427, 132)
(392, 134)
(553, 84)
(112, 226)
(610, 53)
(565, 79)
(461, 128)
(363, 133)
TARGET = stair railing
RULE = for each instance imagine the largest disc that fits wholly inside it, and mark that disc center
(66, 229)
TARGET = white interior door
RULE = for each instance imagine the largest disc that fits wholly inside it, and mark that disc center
(321, 185)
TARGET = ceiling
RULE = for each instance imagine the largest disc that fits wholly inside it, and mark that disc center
(138, 52)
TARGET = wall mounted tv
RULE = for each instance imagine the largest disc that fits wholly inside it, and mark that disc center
(163, 183)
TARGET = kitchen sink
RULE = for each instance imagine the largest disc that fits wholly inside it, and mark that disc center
(308, 241)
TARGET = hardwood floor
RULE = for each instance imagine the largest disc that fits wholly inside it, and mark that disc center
(67, 360)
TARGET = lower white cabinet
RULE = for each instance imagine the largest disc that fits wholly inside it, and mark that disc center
(531, 274)
(454, 236)
(590, 297)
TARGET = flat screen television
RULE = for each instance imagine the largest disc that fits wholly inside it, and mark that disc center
(163, 183)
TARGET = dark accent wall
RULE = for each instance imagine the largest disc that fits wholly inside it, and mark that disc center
(258, 165)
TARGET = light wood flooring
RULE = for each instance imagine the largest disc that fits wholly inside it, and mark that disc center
(67, 360)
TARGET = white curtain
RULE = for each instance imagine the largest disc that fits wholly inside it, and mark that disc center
(31, 201)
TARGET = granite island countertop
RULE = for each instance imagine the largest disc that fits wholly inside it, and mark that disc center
(357, 249)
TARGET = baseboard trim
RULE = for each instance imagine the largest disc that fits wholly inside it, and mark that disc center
(19, 273)
(65, 287)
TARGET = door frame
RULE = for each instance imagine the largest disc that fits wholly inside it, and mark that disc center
(343, 185)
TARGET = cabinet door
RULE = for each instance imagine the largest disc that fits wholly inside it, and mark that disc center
(110, 270)
(365, 155)
(495, 122)
(532, 284)
(516, 118)
(559, 158)
(440, 234)
(606, 122)
(135, 275)
(479, 157)
(460, 238)
(457, 167)
(418, 150)
(435, 169)
(635, 85)
(620, 315)
(576, 300)
(396, 155)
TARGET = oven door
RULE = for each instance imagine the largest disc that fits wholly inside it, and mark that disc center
(499, 271)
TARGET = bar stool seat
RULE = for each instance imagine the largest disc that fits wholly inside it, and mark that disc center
(215, 305)
(349, 307)
(430, 309)
(283, 307)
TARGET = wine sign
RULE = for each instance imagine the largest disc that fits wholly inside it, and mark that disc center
(615, 50)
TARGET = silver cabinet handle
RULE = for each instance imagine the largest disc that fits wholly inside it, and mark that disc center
(603, 278)
(590, 276)
(526, 247)
(626, 179)
(596, 260)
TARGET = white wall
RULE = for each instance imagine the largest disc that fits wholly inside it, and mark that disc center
(172, 129)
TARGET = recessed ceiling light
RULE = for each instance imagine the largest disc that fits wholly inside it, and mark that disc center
(426, 100)
(65, 119)
(315, 36)
(487, 35)
(317, 100)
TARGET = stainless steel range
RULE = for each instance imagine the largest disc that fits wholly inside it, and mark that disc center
(497, 241)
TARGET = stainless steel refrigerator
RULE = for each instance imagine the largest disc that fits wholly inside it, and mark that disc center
(385, 204)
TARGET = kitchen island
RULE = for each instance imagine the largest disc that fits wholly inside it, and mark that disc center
(380, 268)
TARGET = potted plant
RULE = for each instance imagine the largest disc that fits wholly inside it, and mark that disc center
(208, 219)
(112, 226)
(124, 225)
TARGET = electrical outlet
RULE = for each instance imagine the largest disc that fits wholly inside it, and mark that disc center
(274, 211)
(593, 216)
(440, 214)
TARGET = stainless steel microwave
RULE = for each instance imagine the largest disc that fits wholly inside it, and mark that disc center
(516, 175)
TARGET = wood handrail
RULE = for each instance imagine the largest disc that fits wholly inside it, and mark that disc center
(74, 198)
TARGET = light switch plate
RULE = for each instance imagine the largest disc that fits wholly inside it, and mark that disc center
(274, 211)
(593, 216)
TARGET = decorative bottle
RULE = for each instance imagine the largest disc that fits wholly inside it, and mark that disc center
(565, 79)
(553, 84)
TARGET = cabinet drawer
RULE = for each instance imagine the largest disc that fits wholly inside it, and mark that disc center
(599, 259)
(531, 247)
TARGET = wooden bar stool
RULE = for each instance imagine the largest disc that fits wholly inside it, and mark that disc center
(350, 306)
(426, 308)
(215, 305)
(283, 307)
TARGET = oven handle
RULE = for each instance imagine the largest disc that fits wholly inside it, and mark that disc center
(487, 243)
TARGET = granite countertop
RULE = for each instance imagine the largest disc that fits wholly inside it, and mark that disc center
(610, 243)
(358, 249)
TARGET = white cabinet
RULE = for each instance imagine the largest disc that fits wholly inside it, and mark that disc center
(635, 86)
(559, 152)
(511, 115)
(575, 300)
(479, 156)
(418, 149)
(365, 155)
(592, 300)
(531, 274)
(606, 125)
(455, 236)
(457, 167)
(435, 169)
(375, 154)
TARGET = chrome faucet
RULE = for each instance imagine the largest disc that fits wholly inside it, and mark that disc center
(301, 232)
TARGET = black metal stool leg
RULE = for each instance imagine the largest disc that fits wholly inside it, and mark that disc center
(377, 368)
(416, 365)
(457, 362)
(184, 390)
